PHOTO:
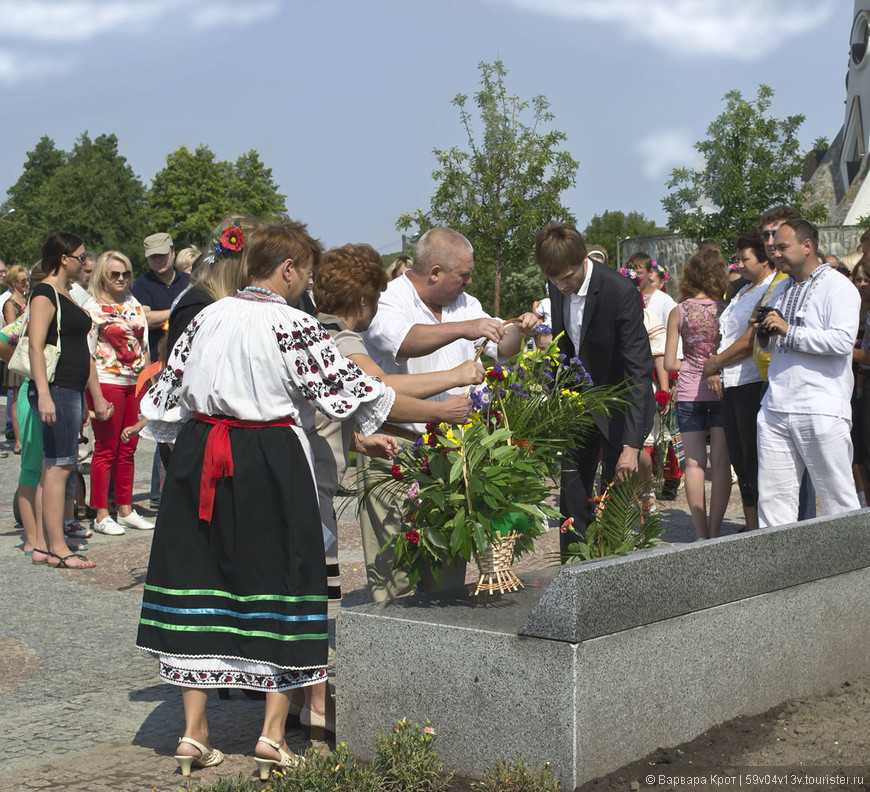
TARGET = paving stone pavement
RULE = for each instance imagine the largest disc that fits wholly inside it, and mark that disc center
(80, 707)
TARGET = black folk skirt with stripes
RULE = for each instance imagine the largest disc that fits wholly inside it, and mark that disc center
(250, 585)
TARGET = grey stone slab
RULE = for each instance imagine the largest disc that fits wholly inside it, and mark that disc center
(486, 692)
(665, 683)
(593, 706)
(601, 597)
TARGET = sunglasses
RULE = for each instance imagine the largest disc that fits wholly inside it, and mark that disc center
(119, 275)
(81, 258)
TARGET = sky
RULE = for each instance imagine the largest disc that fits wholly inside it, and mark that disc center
(346, 99)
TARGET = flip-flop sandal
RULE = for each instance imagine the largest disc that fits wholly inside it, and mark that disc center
(61, 564)
(77, 547)
(44, 552)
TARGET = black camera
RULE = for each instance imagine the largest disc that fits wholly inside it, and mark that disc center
(763, 334)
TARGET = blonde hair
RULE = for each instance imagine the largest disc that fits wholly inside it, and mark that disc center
(221, 277)
(184, 260)
(96, 286)
(14, 273)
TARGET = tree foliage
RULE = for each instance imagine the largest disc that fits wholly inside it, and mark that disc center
(500, 188)
(90, 191)
(603, 230)
(195, 190)
(93, 192)
(752, 161)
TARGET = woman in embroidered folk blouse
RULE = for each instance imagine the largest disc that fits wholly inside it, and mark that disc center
(119, 346)
(236, 590)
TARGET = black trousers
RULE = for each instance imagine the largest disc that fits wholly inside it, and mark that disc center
(578, 483)
(740, 406)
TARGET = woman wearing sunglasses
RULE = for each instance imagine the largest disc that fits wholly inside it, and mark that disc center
(59, 327)
(119, 346)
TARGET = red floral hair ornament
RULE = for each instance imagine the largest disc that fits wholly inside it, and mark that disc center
(230, 243)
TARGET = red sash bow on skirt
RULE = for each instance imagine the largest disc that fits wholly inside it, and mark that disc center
(218, 460)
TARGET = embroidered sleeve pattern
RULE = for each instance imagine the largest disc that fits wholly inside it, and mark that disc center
(334, 384)
(160, 405)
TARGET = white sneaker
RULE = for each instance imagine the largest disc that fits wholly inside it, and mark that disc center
(108, 526)
(135, 520)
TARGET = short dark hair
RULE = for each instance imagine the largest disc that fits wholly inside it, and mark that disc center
(804, 230)
(57, 245)
(558, 246)
(639, 260)
(272, 244)
(753, 242)
(781, 212)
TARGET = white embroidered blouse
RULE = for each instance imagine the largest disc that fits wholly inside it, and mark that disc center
(257, 359)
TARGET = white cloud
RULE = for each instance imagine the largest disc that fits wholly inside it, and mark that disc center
(661, 151)
(27, 22)
(15, 67)
(216, 13)
(737, 29)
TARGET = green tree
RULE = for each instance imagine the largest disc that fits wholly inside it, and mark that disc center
(21, 236)
(604, 229)
(195, 190)
(189, 196)
(752, 161)
(93, 193)
(500, 189)
(252, 189)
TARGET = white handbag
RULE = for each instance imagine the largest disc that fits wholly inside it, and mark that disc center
(20, 361)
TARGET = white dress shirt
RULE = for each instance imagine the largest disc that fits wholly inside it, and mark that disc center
(574, 307)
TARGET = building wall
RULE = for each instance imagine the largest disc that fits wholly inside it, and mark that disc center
(672, 251)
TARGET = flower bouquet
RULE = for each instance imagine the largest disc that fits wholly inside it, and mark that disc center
(481, 489)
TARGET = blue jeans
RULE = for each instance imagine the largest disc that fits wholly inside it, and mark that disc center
(694, 416)
(61, 440)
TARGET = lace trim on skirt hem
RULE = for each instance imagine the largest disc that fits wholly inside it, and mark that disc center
(237, 675)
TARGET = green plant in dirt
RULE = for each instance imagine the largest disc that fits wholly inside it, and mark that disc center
(465, 486)
(338, 771)
(502, 777)
(235, 784)
(407, 761)
(622, 524)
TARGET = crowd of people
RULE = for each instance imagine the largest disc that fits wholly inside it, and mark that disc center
(257, 371)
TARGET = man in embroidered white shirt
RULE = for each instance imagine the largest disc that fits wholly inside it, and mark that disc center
(426, 322)
(806, 414)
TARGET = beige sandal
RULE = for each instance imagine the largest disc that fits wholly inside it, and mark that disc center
(266, 766)
(207, 757)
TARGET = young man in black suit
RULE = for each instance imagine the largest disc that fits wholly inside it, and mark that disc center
(601, 314)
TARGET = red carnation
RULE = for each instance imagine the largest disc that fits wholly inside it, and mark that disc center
(397, 473)
(673, 375)
(413, 537)
(662, 397)
(233, 239)
(495, 374)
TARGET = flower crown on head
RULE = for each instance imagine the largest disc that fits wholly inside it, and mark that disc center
(628, 273)
(230, 243)
(660, 270)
